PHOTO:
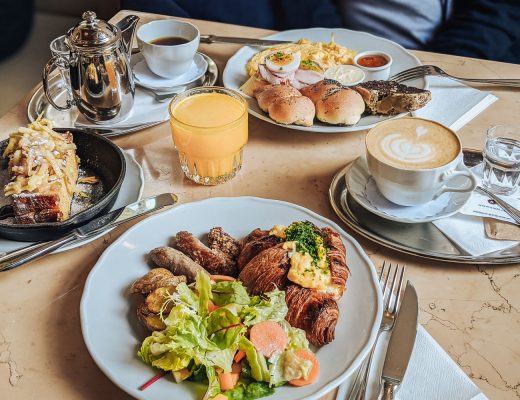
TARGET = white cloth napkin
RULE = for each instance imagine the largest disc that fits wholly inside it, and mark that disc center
(466, 229)
(145, 110)
(454, 104)
(431, 374)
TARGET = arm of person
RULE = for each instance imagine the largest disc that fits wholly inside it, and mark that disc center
(486, 29)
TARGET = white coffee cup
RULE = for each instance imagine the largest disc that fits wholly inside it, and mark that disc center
(163, 60)
(414, 161)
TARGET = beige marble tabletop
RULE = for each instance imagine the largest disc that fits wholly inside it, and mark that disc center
(472, 311)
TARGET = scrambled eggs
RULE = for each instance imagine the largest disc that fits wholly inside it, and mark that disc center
(325, 54)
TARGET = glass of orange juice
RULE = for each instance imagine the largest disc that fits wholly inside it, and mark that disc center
(209, 128)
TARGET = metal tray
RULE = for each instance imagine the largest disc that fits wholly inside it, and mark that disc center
(422, 240)
(66, 119)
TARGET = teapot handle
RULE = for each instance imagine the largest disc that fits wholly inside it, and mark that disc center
(51, 64)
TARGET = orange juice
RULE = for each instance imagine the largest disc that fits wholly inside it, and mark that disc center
(209, 126)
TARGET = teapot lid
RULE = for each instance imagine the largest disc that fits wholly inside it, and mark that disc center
(92, 32)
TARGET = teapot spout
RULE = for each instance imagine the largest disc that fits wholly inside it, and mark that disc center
(127, 26)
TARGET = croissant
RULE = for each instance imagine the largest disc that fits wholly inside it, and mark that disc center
(266, 271)
(256, 242)
(315, 312)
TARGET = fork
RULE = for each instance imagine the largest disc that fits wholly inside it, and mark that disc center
(424, 70)
(391, 305)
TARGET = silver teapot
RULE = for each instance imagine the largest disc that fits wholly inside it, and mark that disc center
(100, 81)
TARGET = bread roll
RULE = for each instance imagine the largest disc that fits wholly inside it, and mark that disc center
(321, 89)
(271, 93)
(342, 107)
(297, 110)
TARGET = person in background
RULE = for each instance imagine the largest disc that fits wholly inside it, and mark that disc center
(17, 19)
(487, 29)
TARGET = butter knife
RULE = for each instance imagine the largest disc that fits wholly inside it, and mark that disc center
(401, 343)
(107, 221)
(208, 39)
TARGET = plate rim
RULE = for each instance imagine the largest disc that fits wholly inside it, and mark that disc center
(327, 387)
(339, 176)
(390, 217)
(321, 129)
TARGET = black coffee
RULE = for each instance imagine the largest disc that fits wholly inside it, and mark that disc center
(169, 41)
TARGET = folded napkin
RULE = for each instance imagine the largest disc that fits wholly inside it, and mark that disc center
(431, 374)
(144, 111)
(454, 104)
(467, 230)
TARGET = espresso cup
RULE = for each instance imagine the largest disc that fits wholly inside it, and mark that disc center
(168, 61)
(414, 161)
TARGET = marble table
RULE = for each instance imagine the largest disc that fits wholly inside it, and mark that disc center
(472, 311)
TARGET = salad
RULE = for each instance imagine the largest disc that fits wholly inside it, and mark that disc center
(240, 345)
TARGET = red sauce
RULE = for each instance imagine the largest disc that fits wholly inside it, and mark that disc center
(372, 61)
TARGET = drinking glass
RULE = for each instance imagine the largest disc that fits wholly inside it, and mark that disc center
(209, 129)
(502, 159)
(61, 52)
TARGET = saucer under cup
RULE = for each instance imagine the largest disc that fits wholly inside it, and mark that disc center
(163, 60)
(146, 78)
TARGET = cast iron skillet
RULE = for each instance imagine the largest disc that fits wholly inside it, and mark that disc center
(99, 157)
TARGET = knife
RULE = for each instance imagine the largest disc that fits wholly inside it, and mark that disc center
(401, 343)
(107, 221)
(208, 39)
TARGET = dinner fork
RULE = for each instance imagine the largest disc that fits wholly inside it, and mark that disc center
(391, 303)
(424, 70)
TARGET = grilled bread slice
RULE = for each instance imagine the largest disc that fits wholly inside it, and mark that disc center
(43, 170)
(390, 97)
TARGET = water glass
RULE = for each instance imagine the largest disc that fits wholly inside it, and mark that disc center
(60, 50)
(502, 159)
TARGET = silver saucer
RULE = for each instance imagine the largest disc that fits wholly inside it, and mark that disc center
(422, 240)
(66, 119)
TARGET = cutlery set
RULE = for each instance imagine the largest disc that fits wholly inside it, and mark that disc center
(400, 319)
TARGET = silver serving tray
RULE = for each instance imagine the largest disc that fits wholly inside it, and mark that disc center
(39, 105)
(422, 240)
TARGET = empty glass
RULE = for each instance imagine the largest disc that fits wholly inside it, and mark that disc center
(61, 52)
(502, 159)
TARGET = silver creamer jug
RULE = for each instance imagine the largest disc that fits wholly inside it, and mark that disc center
(101, 80)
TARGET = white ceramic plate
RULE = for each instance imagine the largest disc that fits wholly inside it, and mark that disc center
(113, 335)
(450, 203)
(131, 191)
(235, 74)
(148, 79)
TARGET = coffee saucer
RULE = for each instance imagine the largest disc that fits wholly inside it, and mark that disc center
(362, 187)
(146, 78)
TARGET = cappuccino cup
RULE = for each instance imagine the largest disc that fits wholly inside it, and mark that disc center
(414, 161)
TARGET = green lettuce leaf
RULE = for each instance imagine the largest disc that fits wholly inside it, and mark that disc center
(269, 306)
(297, 337)
(257, 362)
(172, 362)
(224, 328)
(229, 292)
(187, 296)
(249, 391)
(220, 358)
(276, 377)
(213, 386)
(203, 286)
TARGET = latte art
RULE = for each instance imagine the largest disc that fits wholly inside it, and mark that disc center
(402, 148)
(413, 143)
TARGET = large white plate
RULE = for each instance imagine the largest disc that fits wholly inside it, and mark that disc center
(113, 335)
(235, 75)
(130, 192)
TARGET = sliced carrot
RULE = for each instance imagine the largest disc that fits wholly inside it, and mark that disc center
(315, 371)
(220, 396)
(268, 337)
(222, 278)
(211, 306)
(239, 356)
(228, 380)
